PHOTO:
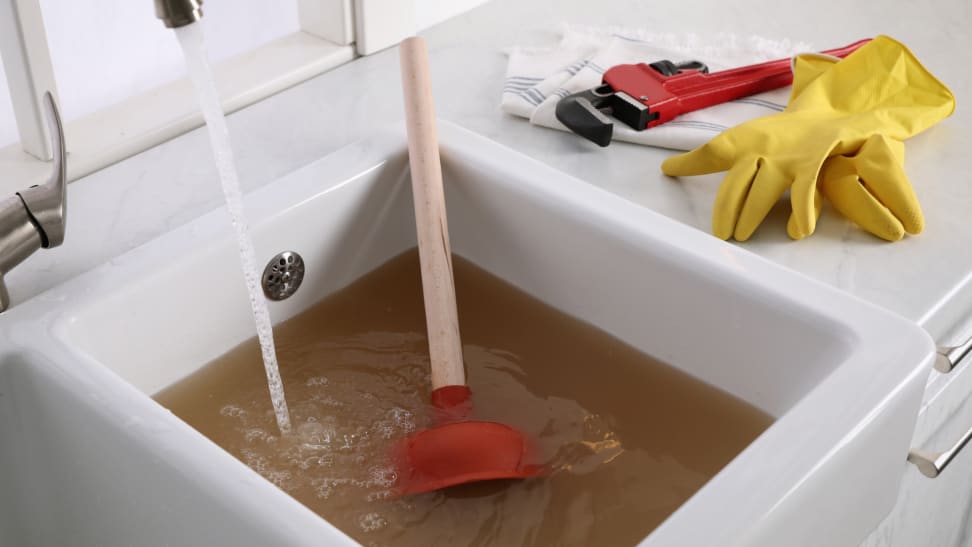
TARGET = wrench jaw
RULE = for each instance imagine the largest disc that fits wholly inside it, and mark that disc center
(634, 113)
(586, 113)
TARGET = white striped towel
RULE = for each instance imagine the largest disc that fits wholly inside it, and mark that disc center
(536, 78)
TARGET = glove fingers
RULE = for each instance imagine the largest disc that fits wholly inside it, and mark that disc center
(799, 231)
(807, 203)
(731, 196)
(879, 166)
(852, 200)
(711, 157)
(765, 191)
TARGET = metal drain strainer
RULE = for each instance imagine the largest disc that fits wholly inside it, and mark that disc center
(283, 275)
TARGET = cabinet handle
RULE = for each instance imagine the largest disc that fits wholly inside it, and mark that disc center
(950, 356)
(931, 464)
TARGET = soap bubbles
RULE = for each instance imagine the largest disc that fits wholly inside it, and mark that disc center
(385, 476)
(315, 381)
(232, 411)
(316, 435)
(370, 522)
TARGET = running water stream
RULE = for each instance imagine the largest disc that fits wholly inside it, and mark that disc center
(193, 47)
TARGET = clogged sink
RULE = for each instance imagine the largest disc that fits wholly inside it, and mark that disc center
(842, 378)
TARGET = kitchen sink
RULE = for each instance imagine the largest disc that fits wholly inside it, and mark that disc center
(842, 378)
(85, 460)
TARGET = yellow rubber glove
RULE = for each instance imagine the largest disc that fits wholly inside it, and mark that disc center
(869, 187)
(881, 89)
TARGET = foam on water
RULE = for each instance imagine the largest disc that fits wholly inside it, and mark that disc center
(193, 47)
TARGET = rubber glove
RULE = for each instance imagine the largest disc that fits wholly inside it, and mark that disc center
(881, 89)
(869, 187)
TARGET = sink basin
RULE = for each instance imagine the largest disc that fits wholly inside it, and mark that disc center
(84, 460)
(842, 378)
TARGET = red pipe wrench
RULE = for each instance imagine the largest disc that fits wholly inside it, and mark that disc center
(646, 95)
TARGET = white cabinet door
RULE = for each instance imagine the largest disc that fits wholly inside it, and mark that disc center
(936, 512)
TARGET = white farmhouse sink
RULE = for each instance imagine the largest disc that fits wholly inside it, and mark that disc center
(843, 378)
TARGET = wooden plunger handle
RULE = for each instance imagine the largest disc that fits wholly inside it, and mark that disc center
(445, 347)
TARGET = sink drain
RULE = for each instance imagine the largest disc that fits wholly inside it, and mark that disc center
(283, 275)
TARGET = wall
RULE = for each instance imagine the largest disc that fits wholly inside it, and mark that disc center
(433, 12)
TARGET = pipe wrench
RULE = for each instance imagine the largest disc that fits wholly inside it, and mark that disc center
(645, 95)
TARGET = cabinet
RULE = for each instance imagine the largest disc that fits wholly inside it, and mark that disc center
(936, 512)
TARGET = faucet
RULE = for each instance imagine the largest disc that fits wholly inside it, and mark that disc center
(34, 218)
(178, 13)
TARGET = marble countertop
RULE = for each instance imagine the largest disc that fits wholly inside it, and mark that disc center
(924, 278)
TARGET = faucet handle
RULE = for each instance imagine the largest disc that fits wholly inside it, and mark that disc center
(47, 203)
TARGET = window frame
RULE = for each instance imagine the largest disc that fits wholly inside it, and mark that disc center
(331, 33)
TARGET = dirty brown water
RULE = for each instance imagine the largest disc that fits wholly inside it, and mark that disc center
(629, 439)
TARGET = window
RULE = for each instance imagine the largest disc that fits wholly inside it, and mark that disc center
(8, 125)
(107, 51)
(119, 78)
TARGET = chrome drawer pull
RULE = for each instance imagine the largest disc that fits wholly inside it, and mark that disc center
(949, 356)
(931, 464)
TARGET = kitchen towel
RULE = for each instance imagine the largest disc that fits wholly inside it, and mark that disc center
(538, 77)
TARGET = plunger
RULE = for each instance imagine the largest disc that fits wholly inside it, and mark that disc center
(456, 448)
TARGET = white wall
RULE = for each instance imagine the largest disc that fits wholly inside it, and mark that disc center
(106, 50)
(433, 12)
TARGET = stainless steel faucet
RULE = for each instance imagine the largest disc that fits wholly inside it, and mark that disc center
(34, 218)
(178, 13)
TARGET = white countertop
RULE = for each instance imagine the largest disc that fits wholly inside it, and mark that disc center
(923, 278)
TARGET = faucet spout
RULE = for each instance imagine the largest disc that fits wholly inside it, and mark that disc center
(47, 204)
(178, 13)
